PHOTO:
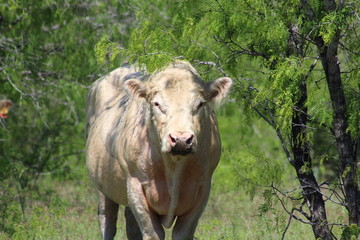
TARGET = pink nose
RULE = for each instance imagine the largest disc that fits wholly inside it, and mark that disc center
(180, 138)
(181, 143)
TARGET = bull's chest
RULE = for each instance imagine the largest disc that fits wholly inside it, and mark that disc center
(166, 199)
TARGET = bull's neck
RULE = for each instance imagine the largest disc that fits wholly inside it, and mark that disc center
(173, 173)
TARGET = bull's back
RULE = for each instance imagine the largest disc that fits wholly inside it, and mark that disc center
(106, 105)
(105, 92)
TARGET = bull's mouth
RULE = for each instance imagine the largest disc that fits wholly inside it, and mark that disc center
(182, 152)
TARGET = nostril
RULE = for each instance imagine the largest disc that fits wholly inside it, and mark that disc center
(172, 139)
(190, 140)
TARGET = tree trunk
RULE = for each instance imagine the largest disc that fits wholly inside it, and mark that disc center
(345, 144)
(303, 165)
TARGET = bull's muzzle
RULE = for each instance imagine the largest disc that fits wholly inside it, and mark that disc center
(181, 143)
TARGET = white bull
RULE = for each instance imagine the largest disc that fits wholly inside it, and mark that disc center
(152, 145)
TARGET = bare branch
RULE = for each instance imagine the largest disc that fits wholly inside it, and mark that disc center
(288, 224)
(239, 49)
(284, 145)
(213, 65)
(311, 68)
(348, 49)
(35, 101)
(291, 214)
(356, 15)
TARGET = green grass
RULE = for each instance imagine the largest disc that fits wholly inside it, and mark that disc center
(69, 209)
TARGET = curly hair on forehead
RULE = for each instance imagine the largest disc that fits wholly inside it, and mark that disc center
(184, 65)
(177, 64)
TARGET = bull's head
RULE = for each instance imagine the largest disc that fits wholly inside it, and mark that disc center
(179, 105)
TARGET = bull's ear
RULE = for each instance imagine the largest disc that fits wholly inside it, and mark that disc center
(218, 89)
(135, 87)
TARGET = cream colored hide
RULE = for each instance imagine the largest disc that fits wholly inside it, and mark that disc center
(152, 145)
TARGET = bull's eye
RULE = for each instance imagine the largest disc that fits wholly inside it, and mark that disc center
(159, 107)
(199, 106)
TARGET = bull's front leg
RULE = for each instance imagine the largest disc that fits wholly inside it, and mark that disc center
(132, 227)
(186, 224)
(107, 213)
(148, 221)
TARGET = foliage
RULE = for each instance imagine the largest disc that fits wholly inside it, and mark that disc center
(350, 232)
(221, 32)
(109, 47)
(47, 61)
(250, 163)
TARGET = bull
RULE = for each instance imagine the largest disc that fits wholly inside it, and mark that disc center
(152, 145)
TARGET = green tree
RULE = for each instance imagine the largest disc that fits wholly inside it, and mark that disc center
(281, 42)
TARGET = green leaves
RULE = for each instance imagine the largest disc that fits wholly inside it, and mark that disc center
(329, 27)
(351, 232)
(107, 50)
(285, 86)
(354, 112)
(251, 166)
